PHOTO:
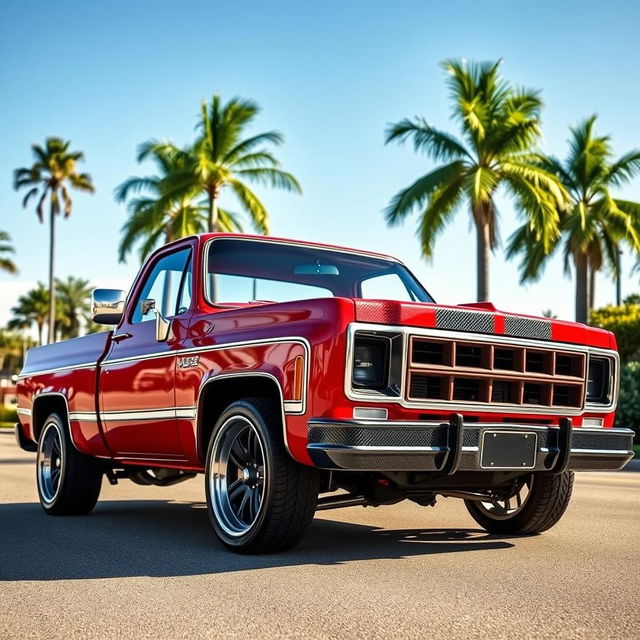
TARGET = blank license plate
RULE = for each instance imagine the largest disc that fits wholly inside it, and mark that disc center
(508, 450)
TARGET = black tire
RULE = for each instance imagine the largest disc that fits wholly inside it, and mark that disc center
(71, 484)
(287, 492)
(546, 503)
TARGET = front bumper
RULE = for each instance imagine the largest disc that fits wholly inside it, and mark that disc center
(367, 445)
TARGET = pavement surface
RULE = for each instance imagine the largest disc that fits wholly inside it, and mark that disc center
(145, 564)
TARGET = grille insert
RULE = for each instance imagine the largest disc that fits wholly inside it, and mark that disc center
(445, 370)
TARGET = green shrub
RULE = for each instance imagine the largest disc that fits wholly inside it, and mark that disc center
(624, 321)
(8, 415)
(628, 413)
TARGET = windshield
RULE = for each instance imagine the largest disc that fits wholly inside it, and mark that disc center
(244, 271)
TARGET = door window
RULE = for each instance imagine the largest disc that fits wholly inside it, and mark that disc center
(169, 284)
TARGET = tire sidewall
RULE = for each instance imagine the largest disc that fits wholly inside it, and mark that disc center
(54, 421)
(519, 522)
(245, 410)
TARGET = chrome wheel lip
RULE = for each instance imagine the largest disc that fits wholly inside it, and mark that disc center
(50, 463)
(503, 509)
(252, 475)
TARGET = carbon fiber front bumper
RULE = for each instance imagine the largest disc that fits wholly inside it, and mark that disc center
(367, 445)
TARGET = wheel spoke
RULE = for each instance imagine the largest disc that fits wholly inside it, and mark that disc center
(238, 454)
(257, 495)
(236, 489)
(243, 504)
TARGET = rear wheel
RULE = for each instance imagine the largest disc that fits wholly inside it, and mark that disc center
(68, 481)
(538, 504)
(259, 499)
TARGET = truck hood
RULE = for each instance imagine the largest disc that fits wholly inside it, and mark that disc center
(480, 317)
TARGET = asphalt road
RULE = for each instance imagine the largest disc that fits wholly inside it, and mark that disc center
(145, 564)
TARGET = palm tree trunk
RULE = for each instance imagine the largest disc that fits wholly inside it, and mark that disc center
(582, 287)
(39, 334)
(213, 211)
(52, 282)
(483, 249)
(592, 288)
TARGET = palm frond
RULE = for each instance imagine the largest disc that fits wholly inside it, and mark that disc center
(271, 178)
(438, 144)
(441, 206)
(251, 202)
(416, 194)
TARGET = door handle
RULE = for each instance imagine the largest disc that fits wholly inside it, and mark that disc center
(119, 337)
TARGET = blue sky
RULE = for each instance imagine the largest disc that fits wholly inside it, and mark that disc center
(331, 76)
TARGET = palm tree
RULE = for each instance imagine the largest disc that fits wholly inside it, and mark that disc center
(32, 307)
(52, 175)
(157, 215)
(74, 305)
(221, 157)
(6, 264)
(500, 127)
(595, 223)
(13, 346)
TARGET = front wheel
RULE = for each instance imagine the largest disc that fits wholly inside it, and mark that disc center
(259, 499)
(68, 481)
(539, 502)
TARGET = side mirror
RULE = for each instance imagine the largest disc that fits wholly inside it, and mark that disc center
(107, 305)
(163, 326)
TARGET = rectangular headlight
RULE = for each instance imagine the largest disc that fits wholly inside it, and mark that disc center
(371, 362)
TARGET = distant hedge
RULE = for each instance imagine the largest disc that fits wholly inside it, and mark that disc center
(624, 321)
(8, 415)
(628, 412)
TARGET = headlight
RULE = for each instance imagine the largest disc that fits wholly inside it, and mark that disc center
(599, 381)
(371, 362)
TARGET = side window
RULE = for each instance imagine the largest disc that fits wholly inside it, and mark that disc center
(169, 284)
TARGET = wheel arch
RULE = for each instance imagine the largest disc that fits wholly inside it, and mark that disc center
(44, 404)
(219, 391)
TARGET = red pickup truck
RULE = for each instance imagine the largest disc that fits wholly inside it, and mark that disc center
(299, 376)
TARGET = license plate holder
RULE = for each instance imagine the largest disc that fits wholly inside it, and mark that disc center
(503, 449)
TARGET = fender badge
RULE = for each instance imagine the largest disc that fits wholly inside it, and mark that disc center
(188, 361)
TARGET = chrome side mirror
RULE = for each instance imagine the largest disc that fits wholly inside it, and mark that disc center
(107, 305)
(163, 326)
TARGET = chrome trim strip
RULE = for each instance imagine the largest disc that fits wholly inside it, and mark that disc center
(293, 406)
(621, 431)
(84, 365)
(66, 402)
(604, 452)
(222, 376)
(469, 449)
(163, 413)
(407, 331)
(23, 412)
(212, 347)
(84, 416)
(615, 357)
(346, 422)
(373, 449)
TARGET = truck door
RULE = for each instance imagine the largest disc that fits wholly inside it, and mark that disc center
(137, 377)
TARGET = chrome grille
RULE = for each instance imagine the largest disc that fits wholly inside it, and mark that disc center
(443, 370)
